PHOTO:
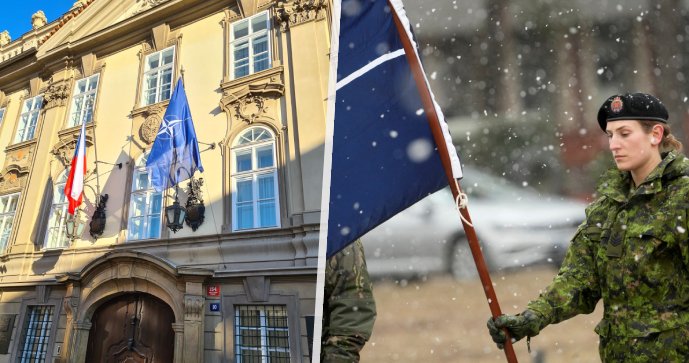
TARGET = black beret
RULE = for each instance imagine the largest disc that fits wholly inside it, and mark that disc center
(631, 106)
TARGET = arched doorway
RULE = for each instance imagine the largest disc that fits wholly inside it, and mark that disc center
(134, 328)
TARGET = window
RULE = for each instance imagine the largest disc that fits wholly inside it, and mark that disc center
(158, 76)
(2, 114)
(29, 118)
(37, 326)
(261, 334)
(254, 180)
(8, 206)
(83, 101)
(145, 207)
(250, 45)
(56, 236)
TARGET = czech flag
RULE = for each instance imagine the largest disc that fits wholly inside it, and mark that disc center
(74, 189)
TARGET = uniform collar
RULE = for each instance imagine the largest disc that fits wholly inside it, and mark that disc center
(615, 183)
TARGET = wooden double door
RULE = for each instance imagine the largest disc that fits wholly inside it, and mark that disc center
(132, 328)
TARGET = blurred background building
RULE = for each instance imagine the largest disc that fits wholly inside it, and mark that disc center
(237, 282)
(521, 81)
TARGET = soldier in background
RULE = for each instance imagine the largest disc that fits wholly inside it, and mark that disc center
(632, 251)
(349, 310)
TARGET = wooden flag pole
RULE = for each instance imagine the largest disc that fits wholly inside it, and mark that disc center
(429, 109)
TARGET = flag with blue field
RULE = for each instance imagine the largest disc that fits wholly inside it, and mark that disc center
(384, 156)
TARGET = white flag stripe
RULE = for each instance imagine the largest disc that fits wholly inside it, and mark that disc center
(363, 70)
(78, 182)
(398, 7)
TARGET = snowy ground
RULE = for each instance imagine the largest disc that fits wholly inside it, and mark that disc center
(442, 320)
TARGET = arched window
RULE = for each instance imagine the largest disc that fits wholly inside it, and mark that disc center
(145, 206)
(56, 237)
(255, 202)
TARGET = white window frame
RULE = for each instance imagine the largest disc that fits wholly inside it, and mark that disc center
(263, 329)
(249, 39)
(56, 233)
(254, 174)
(157, 72)
(148, 194)
(84, 102)
(7, 213)
(28, 119)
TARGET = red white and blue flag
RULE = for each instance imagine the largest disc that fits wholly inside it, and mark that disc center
(74, 189)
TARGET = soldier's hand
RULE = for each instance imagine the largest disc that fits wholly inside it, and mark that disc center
(528, 323)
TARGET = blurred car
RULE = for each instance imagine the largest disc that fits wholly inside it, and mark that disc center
(516, 226)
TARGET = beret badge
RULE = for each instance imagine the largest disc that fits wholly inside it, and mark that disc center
(616, 105)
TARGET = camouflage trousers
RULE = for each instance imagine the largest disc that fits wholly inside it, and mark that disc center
(670, 346)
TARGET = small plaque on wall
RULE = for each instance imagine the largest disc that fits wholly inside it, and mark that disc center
(6, 326)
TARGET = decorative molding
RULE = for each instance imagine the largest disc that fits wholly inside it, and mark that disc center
(153, 116)
(193, 307)
(3, 99)
(71, 306)
(257, 288)
(143, 5)
(12, 180)
(42, 293)
(289, 13)
(90, 65)
(5, 38)
(56, 94)
(38, 20)
(14, 175)
(67, 142)
(247, 102)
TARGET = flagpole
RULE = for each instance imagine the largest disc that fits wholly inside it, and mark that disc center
(429, 109)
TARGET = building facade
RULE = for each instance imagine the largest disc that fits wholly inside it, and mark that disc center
(239, 285)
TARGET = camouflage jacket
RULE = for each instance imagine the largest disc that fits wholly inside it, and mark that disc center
(632, 251)
(349, 310)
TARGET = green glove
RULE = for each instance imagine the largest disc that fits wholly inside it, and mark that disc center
(528, 323)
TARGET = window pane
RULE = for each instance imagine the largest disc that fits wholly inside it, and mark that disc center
(156, 203)
(261, 63)
(241, 51)
(138, 205)
(168, 56)
(153, 61)
(266, 186)
(244, 191)
(240, 29)
(245, 216)
(264, 155)
(154, 227)
(93, 82)
(141, 180)
(243, 160)
(136, 228)
(241, 71)
(259, 23)
(12, 203)
(266, 211)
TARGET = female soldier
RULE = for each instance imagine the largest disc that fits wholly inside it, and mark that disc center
(632, 251)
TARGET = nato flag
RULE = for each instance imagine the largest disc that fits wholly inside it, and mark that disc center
(175, 154)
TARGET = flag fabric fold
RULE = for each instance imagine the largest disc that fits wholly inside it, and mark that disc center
(175, 154)
(384, 156)
(74, 188)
